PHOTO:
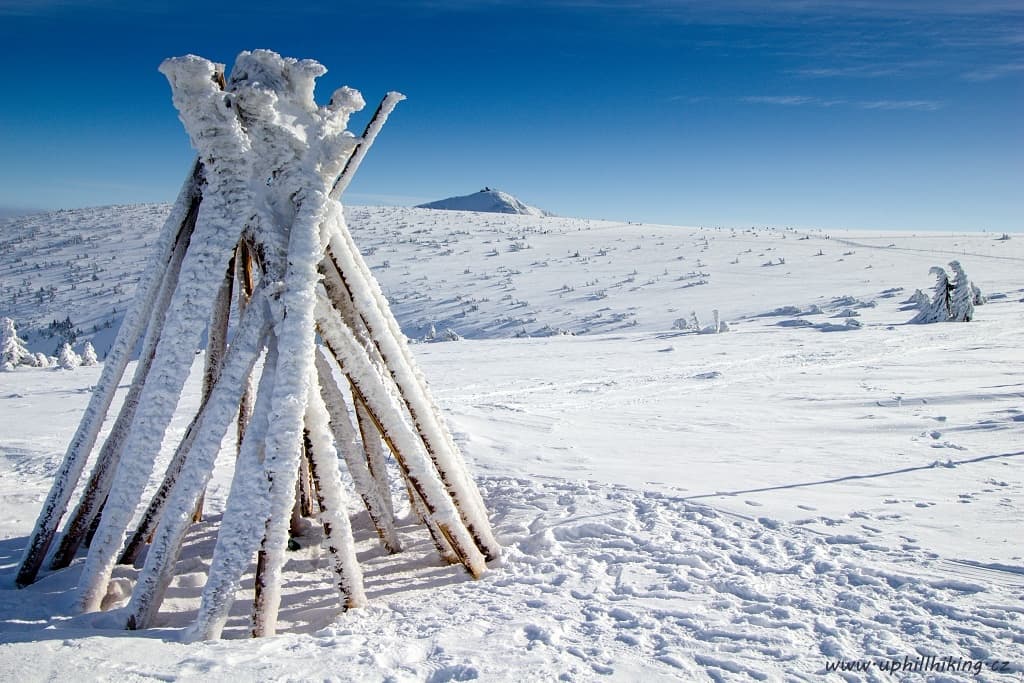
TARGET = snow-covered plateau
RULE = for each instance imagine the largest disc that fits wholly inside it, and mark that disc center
(821, 486)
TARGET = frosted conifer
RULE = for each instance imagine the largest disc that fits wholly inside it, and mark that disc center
(13, 351)
(962, 297)
(938, 309)
(89, 358)
(67, 358)
(918, 300)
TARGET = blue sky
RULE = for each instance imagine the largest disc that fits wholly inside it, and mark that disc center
(810, 113)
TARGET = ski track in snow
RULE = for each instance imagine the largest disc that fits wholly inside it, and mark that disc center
(673, 506)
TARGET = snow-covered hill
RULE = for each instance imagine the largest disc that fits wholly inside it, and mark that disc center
(487, 276)
(757, 505)
(486, 200)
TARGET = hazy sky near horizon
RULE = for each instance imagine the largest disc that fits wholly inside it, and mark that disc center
(809, 113)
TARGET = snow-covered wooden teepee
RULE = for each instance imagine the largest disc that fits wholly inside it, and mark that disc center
(257, 235)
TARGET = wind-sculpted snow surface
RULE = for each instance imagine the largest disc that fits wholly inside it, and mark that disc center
(758, 505)
(598, 581)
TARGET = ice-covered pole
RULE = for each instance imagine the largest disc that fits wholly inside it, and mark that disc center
(132, 327)
(380, 117)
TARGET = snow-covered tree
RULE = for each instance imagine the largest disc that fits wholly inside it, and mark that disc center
(13, 351)
(716, 326)
(67, 358)
(89, 358)
(962, 296)
(938, 309)
(979, 298)
(42, 360)
(451, 335)
(918, 299)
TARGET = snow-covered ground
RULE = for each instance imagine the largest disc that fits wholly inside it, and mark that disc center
(750, 505)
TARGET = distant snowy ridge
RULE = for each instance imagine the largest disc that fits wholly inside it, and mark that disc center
(487, 200)
(69, 276)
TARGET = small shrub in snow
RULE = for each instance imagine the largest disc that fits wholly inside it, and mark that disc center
(938, 309)
(962, 296)
(67, 358)
(450, 335)
(716, 326)
(979, 298)
(13, 351)
(89, 358)
(918, 300)
(951, 301)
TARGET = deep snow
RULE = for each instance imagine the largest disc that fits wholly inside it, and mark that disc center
(748, 505)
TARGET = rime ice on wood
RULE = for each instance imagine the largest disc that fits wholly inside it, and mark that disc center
(259, 216)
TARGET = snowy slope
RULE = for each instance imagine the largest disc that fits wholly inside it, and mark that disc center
(81, 264)
(744, 506)
(489, 276)
(486, 200)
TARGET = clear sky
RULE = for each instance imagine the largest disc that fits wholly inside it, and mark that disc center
(809, 113)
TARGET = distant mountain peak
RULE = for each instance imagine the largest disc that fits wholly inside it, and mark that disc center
(487, 200)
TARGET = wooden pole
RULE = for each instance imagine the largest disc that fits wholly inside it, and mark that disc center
(95, 493)
(128, 335)
(216, 345)
(390, 346)
(220, 410)
(337, 529)
(245, 516)
(389, 422)
(350, 447)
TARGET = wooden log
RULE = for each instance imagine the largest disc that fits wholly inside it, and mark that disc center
(341, 546)
(218, 415)
(376, 457)
(344, 262)
(216, 345)
(260, 586)
(350, 447)
(390, 422)
(85, 517)
(244, 276)
(128, 336)
(377, 121)
(138, 539)
(225, 151)
(243, 526)
(151, 516)
(307, 495)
